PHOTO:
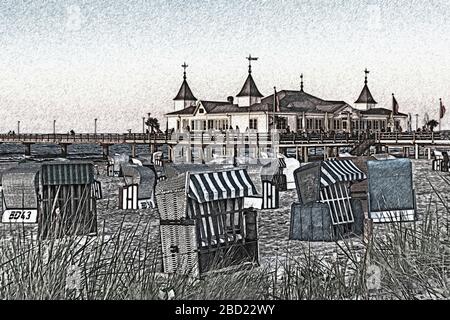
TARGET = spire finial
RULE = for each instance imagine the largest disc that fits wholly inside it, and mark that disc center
(301, 82)
(250, 58)
(184, 66)
(365, 78)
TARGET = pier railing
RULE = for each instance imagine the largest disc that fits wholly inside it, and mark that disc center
(226, 137)
(107, 138)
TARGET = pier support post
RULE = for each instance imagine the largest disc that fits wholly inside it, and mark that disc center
(27, 149)
(429, 153)
(325, 153)
(416, 151)
(305, 154)
(105, 150)
(133, 150)
(64, 149)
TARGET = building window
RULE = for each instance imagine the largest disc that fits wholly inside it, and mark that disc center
(253, 124)
(201, 110)
(281, 123)
(299, 123)
(375, 125)
(336, 124)
(309, 124)
(319, 124)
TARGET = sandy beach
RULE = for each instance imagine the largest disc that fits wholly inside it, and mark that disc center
(273, 225)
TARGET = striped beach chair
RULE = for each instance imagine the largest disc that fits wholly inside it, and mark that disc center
(326, 210)
(207, 212)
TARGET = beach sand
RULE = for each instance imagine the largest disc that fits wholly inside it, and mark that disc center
(273, 225)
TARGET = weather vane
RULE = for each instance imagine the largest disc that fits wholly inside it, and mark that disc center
(250, 58)
(184, 66)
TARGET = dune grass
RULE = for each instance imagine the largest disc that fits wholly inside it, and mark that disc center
(400, 261)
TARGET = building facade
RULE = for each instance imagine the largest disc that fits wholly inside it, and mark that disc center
(285, 111)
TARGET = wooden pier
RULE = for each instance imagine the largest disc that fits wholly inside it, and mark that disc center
(232, 140)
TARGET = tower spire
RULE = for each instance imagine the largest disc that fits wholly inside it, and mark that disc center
(185, 94)
(184, 66)
(301, 82)
(250, 58)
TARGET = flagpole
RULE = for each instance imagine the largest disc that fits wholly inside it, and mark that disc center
(440, 111)
(274, 102)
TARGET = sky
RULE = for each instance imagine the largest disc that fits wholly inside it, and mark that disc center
(77, 60)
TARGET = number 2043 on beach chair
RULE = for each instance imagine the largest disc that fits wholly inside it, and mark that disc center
(326, 210)
(391, 196)
(204, 224)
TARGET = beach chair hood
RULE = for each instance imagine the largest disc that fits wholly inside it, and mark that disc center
(333, 171)
(211, 186)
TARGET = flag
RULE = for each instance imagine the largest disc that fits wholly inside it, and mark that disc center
(441, 110)
(394, 105)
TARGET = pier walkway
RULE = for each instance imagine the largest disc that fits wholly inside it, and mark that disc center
(280, 141)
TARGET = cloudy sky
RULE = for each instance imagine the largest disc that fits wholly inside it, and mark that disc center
(117, 60)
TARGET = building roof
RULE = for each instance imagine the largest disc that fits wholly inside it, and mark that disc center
(381, 111)
(300, 101)
(290, 102)
(365, 96)
(187, 110)
(249, 89)
(185, 93)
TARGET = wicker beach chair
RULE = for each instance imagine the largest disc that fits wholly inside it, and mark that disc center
(445, 162)
(139, 189)
(270, 185)
(68, 204)
(436, 164)
(204, 223)
(326, 210)
(115, 163)
(20, 189)
(159, 165)
(391, 196)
